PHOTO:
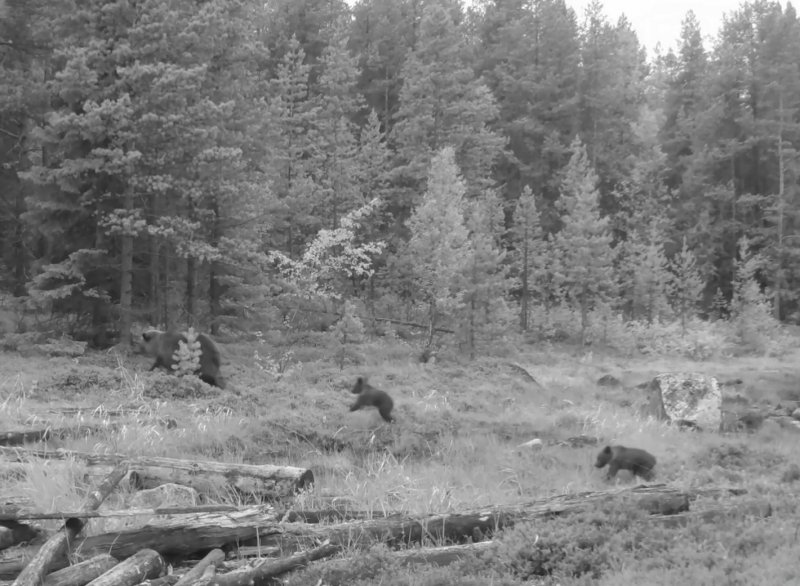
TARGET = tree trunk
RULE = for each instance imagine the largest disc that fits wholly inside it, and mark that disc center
(56, 547)
(18, 245)
(214, 558)
(431, 323)
(214, 286)
(265, 573)
(340, 571)
(779, 278)
(262, 480)
(214, 298)
(185, 535)
(523, 312)
(126, 275)
(141, 566)
(191, 272)
(164, 282)
(458, 527)
(81, 573)
(157, 317)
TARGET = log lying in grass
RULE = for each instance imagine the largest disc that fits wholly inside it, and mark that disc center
(340, 571)
(82, 573)
(168, 580)
(264, 573)
(214, 558)
(184, 535)
(56, 546)
(143, 565)
(21, 437)
(261, 480)
(14, 560)
(327, 515)
(458, 527)
(10, 512)
(757, 508)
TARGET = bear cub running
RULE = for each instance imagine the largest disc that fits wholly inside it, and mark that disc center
(639, 462)
(163, 345)
(369, 396)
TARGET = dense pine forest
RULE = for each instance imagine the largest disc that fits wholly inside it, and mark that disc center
(503, 166)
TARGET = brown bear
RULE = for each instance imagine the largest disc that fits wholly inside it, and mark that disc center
(369, 396)
(639, 462)
(162, 346)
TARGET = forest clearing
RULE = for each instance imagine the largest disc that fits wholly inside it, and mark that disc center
(456, 447)
(426, 257)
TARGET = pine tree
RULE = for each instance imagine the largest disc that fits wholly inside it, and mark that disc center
(651, 277)
(584, 243)
(686, 286)
(530, 58)
(485, 276)
(750, 306)
(529, 258)
(144, 140)
(439, 243)
(290, 133)
(442, 104)
(338, 105)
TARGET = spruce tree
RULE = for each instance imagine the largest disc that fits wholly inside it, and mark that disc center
(439, 245)
(529, 253)
(583, 244)
(686, 286)
(485, 275)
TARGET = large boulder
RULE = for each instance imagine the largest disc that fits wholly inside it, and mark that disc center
(685, 396)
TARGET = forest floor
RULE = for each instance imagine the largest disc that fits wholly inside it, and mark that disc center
(455, 446)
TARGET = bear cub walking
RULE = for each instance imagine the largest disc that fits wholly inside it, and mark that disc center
(369, 396)
(162, 346)
(639, 462)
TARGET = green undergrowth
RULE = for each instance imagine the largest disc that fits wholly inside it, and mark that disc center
(610, 544)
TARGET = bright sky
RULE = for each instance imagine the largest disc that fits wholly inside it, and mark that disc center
(659, 21)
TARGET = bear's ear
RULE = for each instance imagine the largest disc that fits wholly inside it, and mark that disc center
(147, 336)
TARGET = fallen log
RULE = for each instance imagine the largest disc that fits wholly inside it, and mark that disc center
(82, 573)
(758, 508)
(26, 436)
(14, 560)
(339, 572)
(240, 552)
(327, 515)
(56, 546)
(264, 573)
(184, 535)
(143, 565)
(262, 480)
(459, 527)
(213, 558)
(9, 513)
(168, 580)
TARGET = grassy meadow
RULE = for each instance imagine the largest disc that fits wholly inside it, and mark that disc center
(455, 446)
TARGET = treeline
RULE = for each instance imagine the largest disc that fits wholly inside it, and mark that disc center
(226, 162)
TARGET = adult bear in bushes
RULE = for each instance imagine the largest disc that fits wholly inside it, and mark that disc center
(369, 396)
(163, 345)
(639, 462)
